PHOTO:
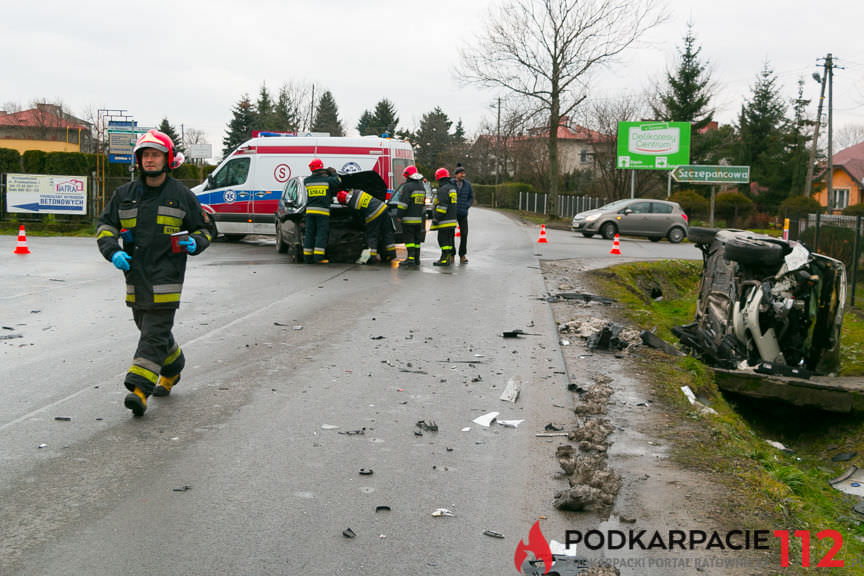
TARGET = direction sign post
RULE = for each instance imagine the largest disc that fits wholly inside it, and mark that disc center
(699, 174)
(708, 174)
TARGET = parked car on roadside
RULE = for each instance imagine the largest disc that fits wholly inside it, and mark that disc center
(654, 219)
(765, 304)
(347, 231)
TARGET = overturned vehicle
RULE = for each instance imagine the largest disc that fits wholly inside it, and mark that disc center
(765, 306)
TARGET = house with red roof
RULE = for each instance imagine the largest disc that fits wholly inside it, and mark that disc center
(847, 180)
(46, 127)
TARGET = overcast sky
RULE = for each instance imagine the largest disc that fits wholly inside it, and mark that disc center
(192, 60)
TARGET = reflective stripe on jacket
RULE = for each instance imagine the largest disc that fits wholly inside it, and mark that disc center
(145, 218)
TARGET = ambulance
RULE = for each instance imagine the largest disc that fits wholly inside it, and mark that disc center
(242, 194)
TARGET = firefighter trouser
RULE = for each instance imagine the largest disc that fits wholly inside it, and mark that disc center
(445, 241)
(379, 237)
(463, 233)
(315, 237)
(157, 351)
(414, 234)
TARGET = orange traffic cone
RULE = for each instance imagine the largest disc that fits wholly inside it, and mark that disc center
(542, 238)
(22, 248)
(616, 246)
(458, 234)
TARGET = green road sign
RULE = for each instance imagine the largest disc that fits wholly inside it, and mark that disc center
(712, 174)
(653, 145)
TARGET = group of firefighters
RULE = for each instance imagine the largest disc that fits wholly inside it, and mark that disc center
(152, 224)
(323, 185)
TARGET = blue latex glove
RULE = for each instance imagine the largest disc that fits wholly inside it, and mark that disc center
(121, 260)
(189, 244)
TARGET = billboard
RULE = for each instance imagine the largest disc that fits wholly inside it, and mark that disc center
(653, 145)
(37, 193)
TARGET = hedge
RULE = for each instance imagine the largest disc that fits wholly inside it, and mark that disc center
(74, 164)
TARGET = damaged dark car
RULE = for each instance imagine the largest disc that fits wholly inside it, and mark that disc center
(765, 305)
(347, 231)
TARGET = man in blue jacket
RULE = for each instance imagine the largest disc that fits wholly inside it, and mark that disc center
(464, 200)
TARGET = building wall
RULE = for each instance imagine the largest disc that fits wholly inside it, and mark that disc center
(841, 180)
(45, 145)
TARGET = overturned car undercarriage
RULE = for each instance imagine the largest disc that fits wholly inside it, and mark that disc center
(766, 306)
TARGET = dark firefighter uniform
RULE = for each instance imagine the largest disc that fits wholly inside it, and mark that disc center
(412, 211)
(444, 220)
(320, 189)
(377, 225)
(145, 218)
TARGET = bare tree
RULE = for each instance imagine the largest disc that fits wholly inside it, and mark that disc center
(545, 49)
(602, 117)
(849, 135)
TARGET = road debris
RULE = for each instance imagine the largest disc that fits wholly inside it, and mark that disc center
(429, 426)
(63, 418)
(553, 428)
(493, 534)
(440, 512)
(348, 533)
(485, 420)
(383, 508)
(517, 333)
(850, 482)
(844, 456)
(366, 471)
(359, 432)
(654, 341)
(510, 423)
(329, 427)
(184, 488)
(511, 391)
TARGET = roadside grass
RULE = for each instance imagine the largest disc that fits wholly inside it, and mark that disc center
(769, 489)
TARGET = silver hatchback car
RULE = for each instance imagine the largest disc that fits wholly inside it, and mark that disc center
(654, 219)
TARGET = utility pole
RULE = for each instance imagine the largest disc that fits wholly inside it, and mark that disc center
(808, 183)
(829, 176)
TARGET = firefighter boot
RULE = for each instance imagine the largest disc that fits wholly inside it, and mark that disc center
(416, 252)
(136, 401)
(163, 387)
(445, 259)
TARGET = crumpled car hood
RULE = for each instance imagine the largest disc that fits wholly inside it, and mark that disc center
(368, 181)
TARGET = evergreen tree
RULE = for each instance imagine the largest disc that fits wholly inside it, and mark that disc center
(384, 118)
(266, 117)
(287, 111)
(240, 127)
(432, 140)
(762, 136)
(327, 116)
(166, 127)
(799, 142)
(687, 97)
(364, 125)
(459, 133)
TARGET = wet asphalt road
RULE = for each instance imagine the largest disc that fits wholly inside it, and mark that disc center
(297, 378)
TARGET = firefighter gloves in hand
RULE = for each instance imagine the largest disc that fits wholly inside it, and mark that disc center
(121, 260)
(189, 244)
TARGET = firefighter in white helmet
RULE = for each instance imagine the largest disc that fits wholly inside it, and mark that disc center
(147, 230)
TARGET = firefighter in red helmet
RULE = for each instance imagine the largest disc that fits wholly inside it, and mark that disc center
(147, 230)
(320, 188)
(412, 212)
(444, 216)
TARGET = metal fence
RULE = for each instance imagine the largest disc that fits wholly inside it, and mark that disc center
(568, 204)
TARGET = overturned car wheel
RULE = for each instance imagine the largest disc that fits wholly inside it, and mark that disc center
(756, 252)
(699, 235)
